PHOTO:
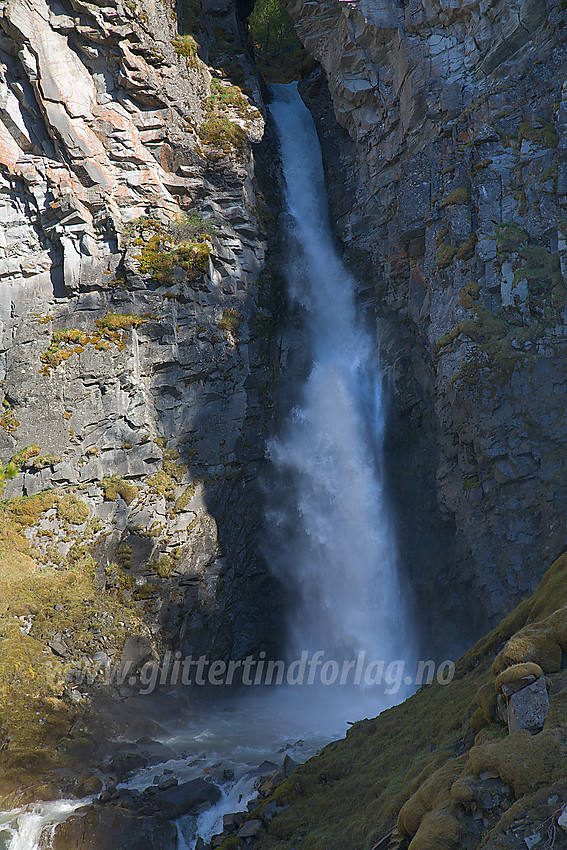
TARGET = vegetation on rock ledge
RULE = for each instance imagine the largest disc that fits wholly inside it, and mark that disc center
(184, 243)
(279, 53)
(110, 331)
(41, 598)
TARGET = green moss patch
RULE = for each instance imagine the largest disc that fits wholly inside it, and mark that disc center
(224, 137)
(119, 322)
(447, 252)
(496, 357)
(510, 237)
(184, 243)
(72, 509)
(182, 501)
(458, 197)
(466, 249)
(186, 46)
(162, 484)
(230, 321)
(39, 728)
(114, 486)
(8, 419)
(220, 131)
(110, 331)
(542, 134)
(469, 294)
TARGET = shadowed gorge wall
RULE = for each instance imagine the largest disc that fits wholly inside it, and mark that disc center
(447, 183)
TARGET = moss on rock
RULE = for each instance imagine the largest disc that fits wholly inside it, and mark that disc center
(114, 486)
(542, 134)
(485, 698)
(446, 253)
(517, 671)
(433, 794)
(523, 761)
(71, 509)
(460, 196)
(38, 718)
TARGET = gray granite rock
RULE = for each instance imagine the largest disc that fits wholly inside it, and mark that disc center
(97, 130)
(528, 707)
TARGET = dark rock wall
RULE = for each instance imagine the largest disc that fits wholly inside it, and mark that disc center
(447, 177)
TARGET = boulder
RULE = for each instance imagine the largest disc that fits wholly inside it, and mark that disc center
(267, 786)
(189, 798)
(88, 786)
(137, 650)
(114, 828)
(250, 829)
(288, 766)
(528, 708)
(526, 673)
(232, 821)
(166, 784)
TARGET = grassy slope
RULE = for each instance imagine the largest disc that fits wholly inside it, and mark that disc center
(350, 796)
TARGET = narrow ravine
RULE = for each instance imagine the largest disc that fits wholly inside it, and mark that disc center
(329, 535)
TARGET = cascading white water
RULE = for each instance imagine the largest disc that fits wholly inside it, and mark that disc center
(332, 538)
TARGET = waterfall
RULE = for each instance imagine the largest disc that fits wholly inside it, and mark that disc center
(332, 542)
(331, 537)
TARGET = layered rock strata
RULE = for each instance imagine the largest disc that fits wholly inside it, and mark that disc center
(134, 335)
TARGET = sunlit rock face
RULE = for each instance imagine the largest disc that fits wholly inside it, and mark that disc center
(447, 173)
(130, 250)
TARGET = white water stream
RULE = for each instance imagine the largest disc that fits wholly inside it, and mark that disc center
(334, 541)
(331, 540)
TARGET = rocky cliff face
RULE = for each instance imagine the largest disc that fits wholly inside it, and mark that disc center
(134, 328)
(448, 176)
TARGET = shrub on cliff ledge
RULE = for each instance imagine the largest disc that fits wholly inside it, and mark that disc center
(184, 243)
(219, 132)
(186, 46)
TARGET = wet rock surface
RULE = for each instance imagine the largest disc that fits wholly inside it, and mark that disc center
(115, 828)
(132, 817)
